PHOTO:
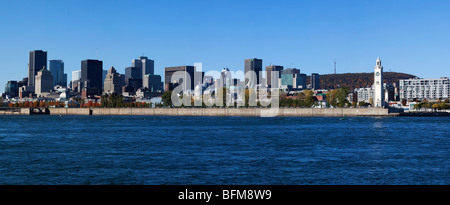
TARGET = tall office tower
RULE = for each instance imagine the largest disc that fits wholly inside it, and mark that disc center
(171, 80)
(23, 82)
(57, 70)
(152, 82)
(300, 81)
(315, 81)
(91, 77)
(133, 77)
(112, 82)
(43, 82)
(64, 80)
(146, 65)
(254, 65)
(378, 84)
(122, 80)
(76, 81)
(291, 78)
(104, 72)
(272, 80)
(76, 75)
(225, 78)
(38, 60)
(12, 89)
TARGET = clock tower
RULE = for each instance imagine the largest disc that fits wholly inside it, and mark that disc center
(378, 100)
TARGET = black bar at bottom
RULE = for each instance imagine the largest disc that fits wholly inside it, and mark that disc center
(204, 194)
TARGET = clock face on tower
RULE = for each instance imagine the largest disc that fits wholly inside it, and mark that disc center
(378, 73)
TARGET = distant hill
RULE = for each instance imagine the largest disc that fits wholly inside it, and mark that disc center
(357, 80)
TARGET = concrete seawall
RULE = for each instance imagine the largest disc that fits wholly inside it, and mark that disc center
(249, 112)
(15, 111)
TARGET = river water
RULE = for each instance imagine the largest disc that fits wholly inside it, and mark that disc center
(223, 150)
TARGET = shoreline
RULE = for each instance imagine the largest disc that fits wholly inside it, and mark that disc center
(242, 112)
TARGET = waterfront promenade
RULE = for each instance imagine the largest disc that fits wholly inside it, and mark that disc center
(245, 112)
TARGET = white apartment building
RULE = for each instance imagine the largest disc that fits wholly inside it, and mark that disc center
(430, 89)
(365, 94)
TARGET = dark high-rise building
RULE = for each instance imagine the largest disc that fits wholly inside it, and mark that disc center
(133, 73)
(152, 82)
(273, 79)
(133, 77)
(255, 65)
(37, 61)
(293, 79)
(146, 65)
(171, 81)
(315, 81)
(23, 82)
(12, 89)
(91, 76)
(57, 70)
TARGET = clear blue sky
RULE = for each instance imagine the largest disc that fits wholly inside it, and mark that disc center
(408, 35)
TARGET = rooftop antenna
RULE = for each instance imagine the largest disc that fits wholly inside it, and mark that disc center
(334, 66)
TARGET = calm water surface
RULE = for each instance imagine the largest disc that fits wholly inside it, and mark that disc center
(223, 150)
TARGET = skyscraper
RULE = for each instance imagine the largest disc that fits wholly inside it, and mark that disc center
(43, 82)
(378, 84)
(152, 82)
(76, 81)
(225, 78)
(37, 61)
(133, 77)
(91, 76)
(291, 78)
(57, 70)
(315, 81)
(12, 89)
(272, 80)
(146, 65)
(254, 65)
(112, 82)
(171, 80)
(76, 75)
(104, 72)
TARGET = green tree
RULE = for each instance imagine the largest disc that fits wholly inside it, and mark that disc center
(309, 99)
(426, 105)
(435, 106)
(113, 100)
(338, 97)
(166, 99)
(362, 104)
(443, 106)
(1, 102)
(342, 96)
(417, 106)
(332, 97)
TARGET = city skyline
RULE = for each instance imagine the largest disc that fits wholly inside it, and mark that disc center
(410, 36)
